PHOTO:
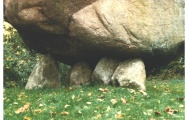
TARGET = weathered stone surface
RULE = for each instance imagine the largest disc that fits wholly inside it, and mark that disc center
(104, 70)
(130, 73)
(45, 73)
(74, 30)
(132, 27)
(79, 74)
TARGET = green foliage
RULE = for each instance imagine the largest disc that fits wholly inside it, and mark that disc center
(63, 70)
(98, 102)
(173, 70)
(18, 61)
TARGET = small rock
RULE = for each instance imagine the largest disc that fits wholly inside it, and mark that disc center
(45, 73)
(79, 74)
(130, 73)
(104, 70)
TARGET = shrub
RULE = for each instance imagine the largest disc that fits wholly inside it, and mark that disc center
(19, 61)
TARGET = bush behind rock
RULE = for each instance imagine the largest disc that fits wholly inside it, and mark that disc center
(19, 60)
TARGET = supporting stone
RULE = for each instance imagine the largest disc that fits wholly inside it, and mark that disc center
(80, 74)
(44, 74)
(130, 73)
(104, 70)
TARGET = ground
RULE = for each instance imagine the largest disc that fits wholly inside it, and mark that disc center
(164, 101)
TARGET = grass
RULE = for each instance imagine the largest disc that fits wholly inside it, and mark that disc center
(91, 102)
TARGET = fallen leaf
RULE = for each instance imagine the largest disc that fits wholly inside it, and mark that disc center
(79, 112)
(89, 94)
(22, 109)
(149, 112)
(98, 116)
(53, 114)
(105, 90)
(101, 97)
(181, 99)
(86, 107)
(168, 109)
(64, 113)
(27, 118)
(108, 109)
(88, 103)
(52, 107)
(37, 111)
(40, 105)
(15, 103)
(66, 106)
(113, 101)
(100, 100)
(70, 88)
(144, 113)
(157, 113)
(181, 106)
(73, 97)
(39, 100)
(119, 115)
(123, 100)
(152, 119)
(98, 107)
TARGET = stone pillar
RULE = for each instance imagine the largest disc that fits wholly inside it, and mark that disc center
(79, 74)
(130, 73)
(104, 70)
(44, 74)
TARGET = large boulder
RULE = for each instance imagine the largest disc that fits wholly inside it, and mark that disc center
(74, 30)
(44, 74)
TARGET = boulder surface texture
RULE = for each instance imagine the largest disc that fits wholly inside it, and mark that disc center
(44, 74)
(104, 70)
(74, 30)
(130, 73)
(79, 74)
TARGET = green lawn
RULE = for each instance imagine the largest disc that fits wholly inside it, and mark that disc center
(164, 101)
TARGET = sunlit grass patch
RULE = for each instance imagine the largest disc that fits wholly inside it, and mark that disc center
(164, 100)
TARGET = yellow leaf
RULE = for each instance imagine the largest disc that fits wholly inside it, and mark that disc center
(64, 113)
(70, 88)
(22, 109)
(123, 100)
(119, 115)
(73, 97)
(98, 116)
(66, 106)
(105, 90)
(52, 107)
(40, 105)
(89, 94)
(88, 103)
(79, 112)
(108, 109)
(113, 101)
(15, 103)
(27, 118)
(37, 111)
(53, 114)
